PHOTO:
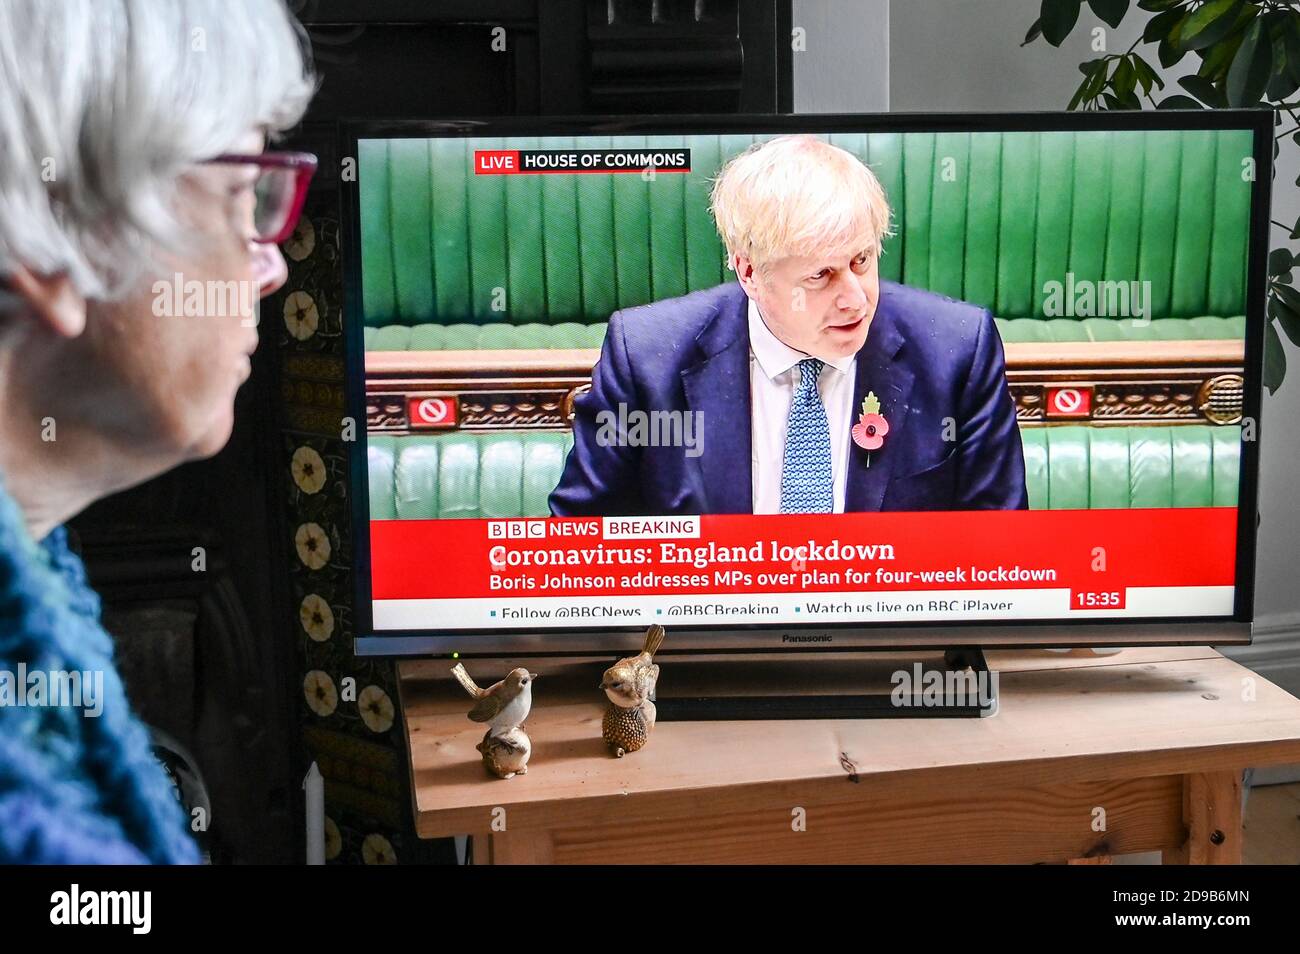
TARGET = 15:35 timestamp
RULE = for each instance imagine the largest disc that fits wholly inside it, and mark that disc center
(1096, 599)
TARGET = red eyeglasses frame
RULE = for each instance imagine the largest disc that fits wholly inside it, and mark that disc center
(303, 166)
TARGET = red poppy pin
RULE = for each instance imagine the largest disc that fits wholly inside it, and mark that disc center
(869, 433)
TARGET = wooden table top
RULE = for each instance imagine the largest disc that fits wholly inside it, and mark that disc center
(1063, 717)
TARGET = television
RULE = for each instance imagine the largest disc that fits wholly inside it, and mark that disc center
(804, 383)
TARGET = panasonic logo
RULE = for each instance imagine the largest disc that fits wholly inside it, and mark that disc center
(797, 638)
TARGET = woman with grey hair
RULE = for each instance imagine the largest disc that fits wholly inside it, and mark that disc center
(132, 166)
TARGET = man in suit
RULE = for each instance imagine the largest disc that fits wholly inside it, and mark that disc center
(767, 376)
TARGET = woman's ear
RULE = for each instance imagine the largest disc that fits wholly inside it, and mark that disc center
(51, 298)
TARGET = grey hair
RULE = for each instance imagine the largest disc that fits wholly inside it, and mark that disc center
(103, 103)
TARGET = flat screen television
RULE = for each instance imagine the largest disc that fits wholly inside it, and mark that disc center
(805, 382)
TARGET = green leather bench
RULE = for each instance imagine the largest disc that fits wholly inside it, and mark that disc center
(501, 474)
(1098, 468)
(510, 474)
(457, 261)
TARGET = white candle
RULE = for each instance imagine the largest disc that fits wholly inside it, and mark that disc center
(314, 786)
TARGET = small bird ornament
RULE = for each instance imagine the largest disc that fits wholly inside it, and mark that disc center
(629, 685)
(506, 755)
(505, 705)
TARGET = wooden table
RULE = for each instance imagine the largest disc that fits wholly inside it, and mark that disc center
(1087, 756)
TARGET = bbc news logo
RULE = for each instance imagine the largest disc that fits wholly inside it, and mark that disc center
(516, 529)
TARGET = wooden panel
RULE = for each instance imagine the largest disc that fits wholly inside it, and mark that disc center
(1015, 826)
(1107, 355)
(1168, 382)
(1022, 358)
(385, 365)
(515, 848)
(1212, 819)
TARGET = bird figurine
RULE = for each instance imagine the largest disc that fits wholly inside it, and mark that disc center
(506, 755)
(629, 685)
(504, 705)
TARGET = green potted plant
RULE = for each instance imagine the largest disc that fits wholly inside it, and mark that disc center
(1235, 54)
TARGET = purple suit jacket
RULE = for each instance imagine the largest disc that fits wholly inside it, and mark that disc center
(935, 364)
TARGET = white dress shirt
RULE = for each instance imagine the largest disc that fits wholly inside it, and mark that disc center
(773, 376)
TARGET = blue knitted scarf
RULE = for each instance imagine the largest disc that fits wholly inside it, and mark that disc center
(74, 788)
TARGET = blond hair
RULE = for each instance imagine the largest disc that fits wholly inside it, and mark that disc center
(797, 196)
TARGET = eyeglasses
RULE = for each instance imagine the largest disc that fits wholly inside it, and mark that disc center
(279, 192)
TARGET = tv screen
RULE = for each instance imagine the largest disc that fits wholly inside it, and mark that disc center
(805, 382)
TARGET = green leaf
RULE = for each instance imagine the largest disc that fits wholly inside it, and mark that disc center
(1179, 101)
(1098, 81)
(1175, 37)
(1034, 33)
(1147, 74)
(1279, 261)
(1209, 23)
(1248, 77)
(1058, 18)
(1168, 54)
(1153, 5)
(1110, 12)
(1274, 359)
(1216, 59)
(1287, 295)
(1159, 26)
(1144, 76)
(1204, 90)
(1281, 83)
(1124, 79)
(1291, 43)
(1287, 316)
(1091, 86)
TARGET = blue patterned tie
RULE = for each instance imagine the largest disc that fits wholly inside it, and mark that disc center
(806, 482)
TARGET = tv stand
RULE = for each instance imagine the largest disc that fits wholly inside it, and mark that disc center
(956, 683)
(1161, 735)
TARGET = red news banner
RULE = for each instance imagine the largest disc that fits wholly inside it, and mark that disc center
(1096, 554)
